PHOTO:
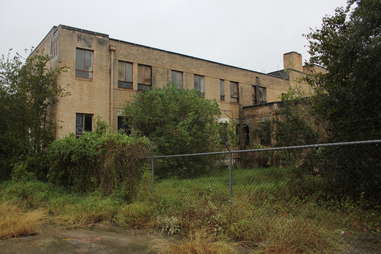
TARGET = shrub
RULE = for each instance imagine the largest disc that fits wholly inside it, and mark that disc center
(177, 121)
(107, 162)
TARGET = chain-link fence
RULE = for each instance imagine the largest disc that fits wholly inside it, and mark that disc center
(238, 171)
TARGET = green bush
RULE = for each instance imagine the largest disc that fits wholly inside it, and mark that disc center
(177, 121)
(104, 162)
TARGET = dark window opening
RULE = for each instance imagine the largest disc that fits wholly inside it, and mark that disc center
(222, 90)
(144, 77)
(84, 122)
(259, 94)
(84, 63)
(124, 75)
(234, 91)
(123, 125)
(246, 133)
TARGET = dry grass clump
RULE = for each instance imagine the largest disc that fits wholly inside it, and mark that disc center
(14, 222)
(197, 243)
(299, 235)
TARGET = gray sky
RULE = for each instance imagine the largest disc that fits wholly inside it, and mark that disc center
(250, 34)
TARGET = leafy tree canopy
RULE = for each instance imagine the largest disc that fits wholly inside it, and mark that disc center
(348, 45)
(177, 121)
(28, 93)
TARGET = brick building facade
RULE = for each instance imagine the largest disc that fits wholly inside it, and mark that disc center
(104, 74)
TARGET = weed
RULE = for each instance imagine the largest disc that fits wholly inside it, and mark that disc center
(14, 222)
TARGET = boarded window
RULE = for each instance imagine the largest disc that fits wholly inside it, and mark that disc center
(84, 63)
(259, 95)
(222, 90)
(124, 74)
(177, 79)
(144, 77)
(83, 122)
(234, 91)
(199, 84)
(123, 125)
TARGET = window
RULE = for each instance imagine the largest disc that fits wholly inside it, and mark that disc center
(83, 122)
(259, 95)
(122, 125)
(84, 63)
(177, 79)
(144, 77)
(246, 133)
(234, 92)
(124, 74)
(222, 90)
(199, 84)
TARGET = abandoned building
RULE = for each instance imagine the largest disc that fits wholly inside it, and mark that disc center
(105, 73)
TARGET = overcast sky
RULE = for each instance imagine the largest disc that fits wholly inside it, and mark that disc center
(251, 34)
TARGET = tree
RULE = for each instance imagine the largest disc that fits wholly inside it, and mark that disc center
(348, 45)
(177, 121)
(28, 93)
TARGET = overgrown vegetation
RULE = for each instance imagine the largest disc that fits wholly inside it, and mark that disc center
(28, 93)
(265, 215)
(348, 96)
(15, 222)
(106, 162)
(177, 121)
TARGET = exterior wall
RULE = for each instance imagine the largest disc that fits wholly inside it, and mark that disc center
(85, 96)
(163, 62)
(254, 115)
(101, 96)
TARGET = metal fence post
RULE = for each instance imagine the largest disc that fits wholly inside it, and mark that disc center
(231, 175)
(153, 172)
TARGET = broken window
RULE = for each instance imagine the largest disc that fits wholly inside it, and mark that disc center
(222, 90)
(123, 125)
(199, 84)
(124, 74)
(177, 79)
(259, 95)
(144, 77)
(234, 91)
(83, 122)
(84, 63)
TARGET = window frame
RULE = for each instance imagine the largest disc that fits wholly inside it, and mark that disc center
(222, 90)
(202, 84)
(122, 125)
(144, 86)
(91, 71)
(234, 97)
(125, 84)
(85, 117)
(256, 99)
(182, 79)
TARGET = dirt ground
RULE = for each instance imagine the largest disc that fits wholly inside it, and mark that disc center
(97, 240)
(106, 239)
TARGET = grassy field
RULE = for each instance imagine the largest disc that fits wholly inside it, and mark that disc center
(271, 212)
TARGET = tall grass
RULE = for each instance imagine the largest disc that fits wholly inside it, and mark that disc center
(267, 214)
(15, 222)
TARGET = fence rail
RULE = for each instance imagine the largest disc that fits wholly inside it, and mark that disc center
(231, 152)
(377, 141)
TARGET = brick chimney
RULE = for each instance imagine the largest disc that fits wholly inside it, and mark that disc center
(292, 60)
